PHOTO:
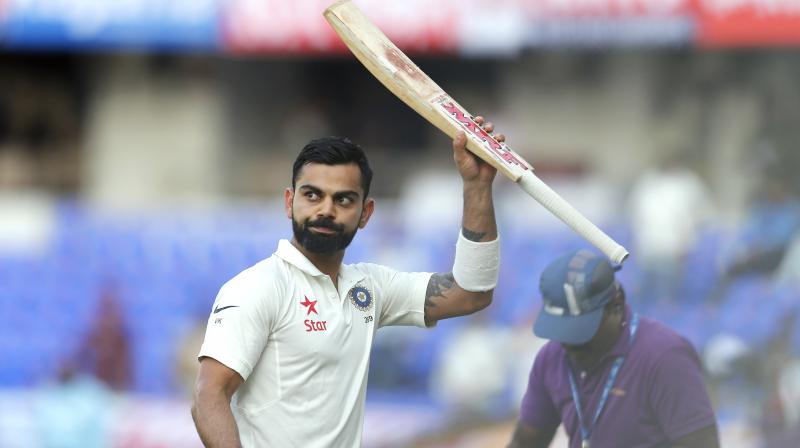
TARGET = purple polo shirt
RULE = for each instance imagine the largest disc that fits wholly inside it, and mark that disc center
(658, 397)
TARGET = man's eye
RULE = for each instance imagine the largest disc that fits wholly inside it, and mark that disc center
(312, 196)
(344, 200)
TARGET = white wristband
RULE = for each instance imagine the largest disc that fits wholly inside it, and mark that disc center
(477, 265)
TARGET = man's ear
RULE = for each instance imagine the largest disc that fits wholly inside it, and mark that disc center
(288, 197)
(366, 212)
(617, 303)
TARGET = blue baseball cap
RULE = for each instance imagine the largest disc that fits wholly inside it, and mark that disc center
(575, 288)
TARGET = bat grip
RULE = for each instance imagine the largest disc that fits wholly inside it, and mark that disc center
(573, 218)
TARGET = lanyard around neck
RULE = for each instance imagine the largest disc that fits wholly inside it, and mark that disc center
(586, 433)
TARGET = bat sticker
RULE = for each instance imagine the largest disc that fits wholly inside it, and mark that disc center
(465, 121)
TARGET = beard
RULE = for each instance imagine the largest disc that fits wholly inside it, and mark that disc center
(319, 243)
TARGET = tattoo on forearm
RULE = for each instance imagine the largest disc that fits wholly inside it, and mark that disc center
(437, 285)
(472, 235)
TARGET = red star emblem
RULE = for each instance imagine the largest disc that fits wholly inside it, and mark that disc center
(310, 305)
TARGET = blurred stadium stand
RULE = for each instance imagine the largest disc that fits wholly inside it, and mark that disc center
(168, 266)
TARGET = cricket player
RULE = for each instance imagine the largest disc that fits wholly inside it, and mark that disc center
(286, 352)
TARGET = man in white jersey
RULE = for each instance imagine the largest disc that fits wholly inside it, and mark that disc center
(286, 352)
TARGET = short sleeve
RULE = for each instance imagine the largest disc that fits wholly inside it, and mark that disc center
(678, 396)
(401, 295)
(537, 409)
(238, 327)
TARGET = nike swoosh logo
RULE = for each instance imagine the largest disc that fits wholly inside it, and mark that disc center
(218, 309)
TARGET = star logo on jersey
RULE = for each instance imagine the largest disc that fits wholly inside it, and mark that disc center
(311, 306)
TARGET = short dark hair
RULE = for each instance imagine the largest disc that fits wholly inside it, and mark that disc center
(334, 151)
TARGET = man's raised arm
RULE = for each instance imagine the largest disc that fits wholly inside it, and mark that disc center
(470, 286)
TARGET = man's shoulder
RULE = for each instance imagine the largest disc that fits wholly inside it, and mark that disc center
(656, 340)
(269, 271)
(374, 272)
(367, 268)
(550, 362)
(379, 274)
(550, 352)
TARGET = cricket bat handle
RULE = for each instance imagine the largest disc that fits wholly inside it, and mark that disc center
(573, 218)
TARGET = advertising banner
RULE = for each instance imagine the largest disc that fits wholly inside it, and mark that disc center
(480, 27)
(607, 23)
(748, 23)
(148, 24)
(466, 26)
(298, 26)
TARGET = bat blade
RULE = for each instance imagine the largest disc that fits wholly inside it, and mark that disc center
(403, 78)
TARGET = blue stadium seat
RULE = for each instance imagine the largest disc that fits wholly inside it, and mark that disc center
(166, 268)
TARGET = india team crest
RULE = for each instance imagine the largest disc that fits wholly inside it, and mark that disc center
(361, 298)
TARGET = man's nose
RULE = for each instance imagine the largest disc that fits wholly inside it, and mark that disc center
(326, 209)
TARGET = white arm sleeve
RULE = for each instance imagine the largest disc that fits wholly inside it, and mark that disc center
(239, 324)
(400, 296)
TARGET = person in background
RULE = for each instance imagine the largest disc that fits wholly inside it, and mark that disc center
(74, 411)
(106, 351)
(668, 206)
(479, 346)
(611, 377)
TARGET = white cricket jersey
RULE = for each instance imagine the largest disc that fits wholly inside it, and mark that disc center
(303, 347)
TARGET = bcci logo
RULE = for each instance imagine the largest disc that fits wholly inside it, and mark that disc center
(361, 298)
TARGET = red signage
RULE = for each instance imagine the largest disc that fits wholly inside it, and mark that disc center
(747, 23)
(298, 27)
(506, 26)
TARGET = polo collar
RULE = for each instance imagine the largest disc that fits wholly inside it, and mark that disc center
(293, 256)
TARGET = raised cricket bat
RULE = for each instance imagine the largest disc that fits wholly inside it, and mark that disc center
(403, 78)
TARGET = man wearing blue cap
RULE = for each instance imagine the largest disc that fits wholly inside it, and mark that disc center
(613, 378)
